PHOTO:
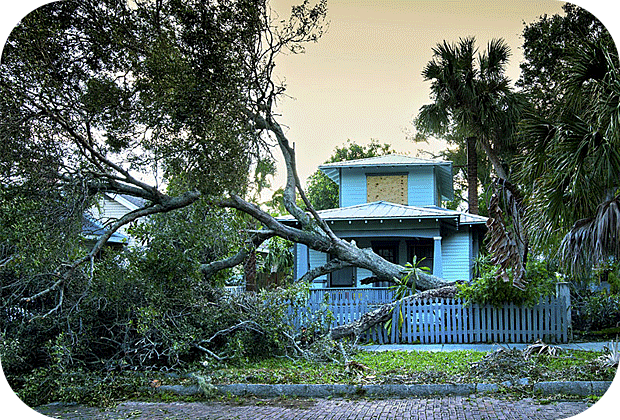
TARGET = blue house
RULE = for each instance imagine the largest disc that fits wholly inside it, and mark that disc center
(392, 204)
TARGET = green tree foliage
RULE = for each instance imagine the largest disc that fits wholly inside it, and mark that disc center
(570, 165)
(156, 86)
(472, 97)
(546, 45)
(489, 288)
(92, 93)
(322, 191)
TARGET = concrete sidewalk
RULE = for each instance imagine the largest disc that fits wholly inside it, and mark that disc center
(590, 346)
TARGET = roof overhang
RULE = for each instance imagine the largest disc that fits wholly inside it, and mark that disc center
(382, 211)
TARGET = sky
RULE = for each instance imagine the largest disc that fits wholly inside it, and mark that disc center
(363, 80)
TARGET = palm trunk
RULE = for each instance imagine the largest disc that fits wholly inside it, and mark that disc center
(472, 175)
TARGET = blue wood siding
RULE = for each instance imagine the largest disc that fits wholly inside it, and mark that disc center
(317, 259)
(455, 250)
(301, 260)
(353, 187)
(422, 189)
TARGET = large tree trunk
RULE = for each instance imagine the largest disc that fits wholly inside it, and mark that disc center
(472, 175)
(344, 252)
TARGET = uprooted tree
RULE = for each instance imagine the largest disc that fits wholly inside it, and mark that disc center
(94, 93)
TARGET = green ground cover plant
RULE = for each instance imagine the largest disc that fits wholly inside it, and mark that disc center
(362, 368)
(421, 367)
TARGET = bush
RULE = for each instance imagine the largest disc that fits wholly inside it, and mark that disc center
(598, 312)
(488, 289)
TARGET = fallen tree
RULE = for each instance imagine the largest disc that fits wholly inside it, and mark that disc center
(384, 313)
(187, 88)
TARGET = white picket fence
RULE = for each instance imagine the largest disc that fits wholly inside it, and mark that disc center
(449, 320)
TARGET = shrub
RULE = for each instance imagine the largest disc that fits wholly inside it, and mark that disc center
(488, 289)
(598, 312)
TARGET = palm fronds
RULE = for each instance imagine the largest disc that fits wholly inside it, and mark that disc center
(595, 240)
(571, 163)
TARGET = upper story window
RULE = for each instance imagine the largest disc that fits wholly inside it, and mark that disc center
(391, 188)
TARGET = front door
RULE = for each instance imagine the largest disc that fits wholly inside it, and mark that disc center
(388, 250)
(423, 249)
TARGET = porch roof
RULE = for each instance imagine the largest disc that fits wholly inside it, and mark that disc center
(383, 210)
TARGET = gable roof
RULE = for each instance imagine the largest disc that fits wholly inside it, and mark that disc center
(389, 160)
(443, 167)
(383, 210)
(93, 229)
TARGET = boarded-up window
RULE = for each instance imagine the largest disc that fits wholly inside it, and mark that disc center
(391, 188)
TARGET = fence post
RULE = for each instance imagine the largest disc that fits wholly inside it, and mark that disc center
(562, 290)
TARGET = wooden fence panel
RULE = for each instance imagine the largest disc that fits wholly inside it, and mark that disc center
(443, 320)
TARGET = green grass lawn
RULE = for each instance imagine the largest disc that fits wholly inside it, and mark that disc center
(389, 367)
(418, 367)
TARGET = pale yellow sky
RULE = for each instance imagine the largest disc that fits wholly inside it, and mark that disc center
(362, 80)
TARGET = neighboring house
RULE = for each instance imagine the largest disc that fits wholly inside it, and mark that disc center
(392, 204)
(108, 210)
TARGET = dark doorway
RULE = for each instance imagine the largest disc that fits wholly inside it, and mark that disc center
(423, 249)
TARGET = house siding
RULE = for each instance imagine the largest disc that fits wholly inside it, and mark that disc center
(110, 210)
(422, 187)
(353, 189)
(317, 259)
(455, 250)
(301, 260)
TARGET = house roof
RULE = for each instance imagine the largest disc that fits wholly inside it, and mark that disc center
(92, 229)
(444, 168)
(389, 160)
(382, 210)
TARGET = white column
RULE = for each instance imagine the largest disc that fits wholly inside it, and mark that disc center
(437, 260)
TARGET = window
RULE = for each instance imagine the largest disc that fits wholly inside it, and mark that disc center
(345, 277)
(423, 249)
(388, 250)
(390, 188)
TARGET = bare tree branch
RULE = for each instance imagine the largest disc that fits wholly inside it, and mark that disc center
(330, 267)
(251, 244)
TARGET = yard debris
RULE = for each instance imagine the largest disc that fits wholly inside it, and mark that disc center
(352, 366)
(612, 358)
(542, 347)
(502, 365)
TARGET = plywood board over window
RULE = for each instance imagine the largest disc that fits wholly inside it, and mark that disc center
(391, 188)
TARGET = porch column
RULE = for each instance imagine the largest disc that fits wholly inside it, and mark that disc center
(437, 260)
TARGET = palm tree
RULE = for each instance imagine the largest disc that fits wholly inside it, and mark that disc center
(573, 162)
(473, 100)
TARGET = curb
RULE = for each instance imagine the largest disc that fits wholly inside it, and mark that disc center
(579, 388)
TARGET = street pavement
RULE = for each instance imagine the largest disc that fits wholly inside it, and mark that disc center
(443, 408)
